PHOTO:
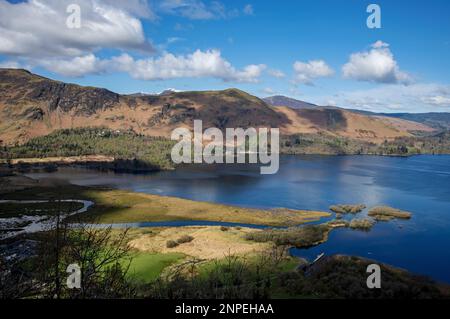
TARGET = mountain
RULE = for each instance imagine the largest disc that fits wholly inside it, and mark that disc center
(438, 120)
(280, 100)
(32, 105)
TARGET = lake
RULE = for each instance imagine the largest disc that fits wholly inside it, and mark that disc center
(419, 184)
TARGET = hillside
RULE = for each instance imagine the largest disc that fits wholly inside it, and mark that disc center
(280, 100)
(374, 127)
(32, 106)
(438, 120)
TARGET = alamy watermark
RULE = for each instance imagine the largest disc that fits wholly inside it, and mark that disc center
(237, 146)
(374, 279)
(374, 19)
(74, 279)
(73, 21)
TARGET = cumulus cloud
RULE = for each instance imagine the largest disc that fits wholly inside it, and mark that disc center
(424, 97)
(76, 67)
(306, 72)
(376, 65)
(35, 33)
(208, 63)
(37, 28)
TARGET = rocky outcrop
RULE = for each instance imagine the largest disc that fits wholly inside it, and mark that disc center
(23, 87)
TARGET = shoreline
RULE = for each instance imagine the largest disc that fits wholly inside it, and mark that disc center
(109, 163)
(113, 196)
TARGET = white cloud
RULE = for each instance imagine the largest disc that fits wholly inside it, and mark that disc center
(248, 9)
(35, 33)
(437, 100)
(37, 28)
(197, 64)
(376, 65)
(76, 67)
(425, 97)
(306, 72)
(276, 73)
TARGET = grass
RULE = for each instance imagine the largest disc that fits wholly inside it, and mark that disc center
(121, 206)
(147, 267)
(253, 261)
(208, 242)
(118, 206)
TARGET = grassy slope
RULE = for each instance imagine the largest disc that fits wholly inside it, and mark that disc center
(146, 267)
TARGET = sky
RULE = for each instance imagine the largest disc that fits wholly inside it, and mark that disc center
(319, 51)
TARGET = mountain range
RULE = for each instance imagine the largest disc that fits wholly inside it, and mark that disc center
(32, 105)
(437, 120)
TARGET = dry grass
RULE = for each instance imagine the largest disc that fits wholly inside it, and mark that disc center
(386, 213)
(119, 206)
(208, 242)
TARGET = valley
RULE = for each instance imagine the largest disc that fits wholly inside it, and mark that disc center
(66, 148)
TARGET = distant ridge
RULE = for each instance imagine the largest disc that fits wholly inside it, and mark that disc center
(281, 100)
(438, 120)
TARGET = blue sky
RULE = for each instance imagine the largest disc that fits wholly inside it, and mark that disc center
(318, 51)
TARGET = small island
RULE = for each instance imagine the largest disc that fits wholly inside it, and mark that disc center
(386, 213)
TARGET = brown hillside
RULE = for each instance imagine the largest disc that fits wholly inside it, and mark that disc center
(31, 105)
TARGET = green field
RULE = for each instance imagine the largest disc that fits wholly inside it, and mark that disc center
(147, 267)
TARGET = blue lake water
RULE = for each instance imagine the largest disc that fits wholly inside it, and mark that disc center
(419, 184)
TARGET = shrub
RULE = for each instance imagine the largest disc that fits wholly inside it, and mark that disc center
(304, 236)
(347, 209)
(171, 244)
(223, 228)
(185, 239)
(363, 223)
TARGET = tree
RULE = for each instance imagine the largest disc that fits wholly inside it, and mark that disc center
(103, 257)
